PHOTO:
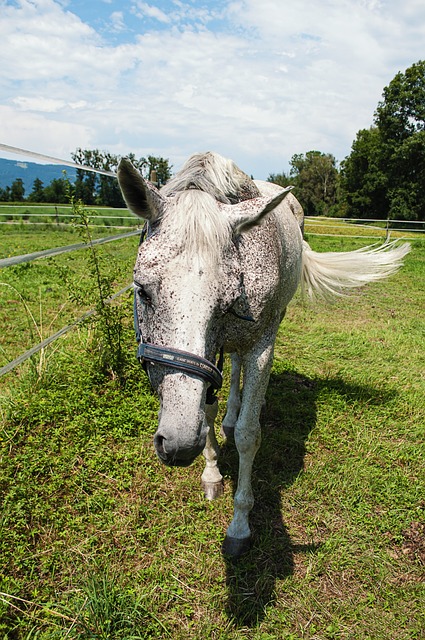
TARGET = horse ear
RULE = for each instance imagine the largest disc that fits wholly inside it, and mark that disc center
(141, 197)
(249, 213)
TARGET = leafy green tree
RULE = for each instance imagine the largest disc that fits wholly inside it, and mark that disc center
(108, 191)
(316, 178)
(5, 194)
(86, 182)
(364, 179)
(57, 191)
(280, 178)
(407, 190)
(93, 188)
(401, 113)
(384, 176)
(400, 117)
(158, 165)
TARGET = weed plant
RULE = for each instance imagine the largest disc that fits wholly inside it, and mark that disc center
(98, 288)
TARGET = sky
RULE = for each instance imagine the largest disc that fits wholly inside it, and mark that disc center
(257, 81)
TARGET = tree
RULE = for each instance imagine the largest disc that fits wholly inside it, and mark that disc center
(17, 190)
(384, 176)
(109, 192)
(363, 177)
(37, 193)
(400, 117)
(407, 188)
(57, 191)
(152, 164)
(86, 181)
(5, 194)
(94, 188)
(280, 178)
(158, 165)
(401, 113)
(315, 176)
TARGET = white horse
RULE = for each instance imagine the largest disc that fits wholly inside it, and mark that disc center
(221, 259)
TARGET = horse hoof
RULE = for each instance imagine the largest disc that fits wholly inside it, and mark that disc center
(213, 490)
(236, 547)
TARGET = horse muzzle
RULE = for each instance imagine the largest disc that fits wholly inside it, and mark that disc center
(174, 453)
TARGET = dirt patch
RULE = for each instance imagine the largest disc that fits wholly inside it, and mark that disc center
(414, 542)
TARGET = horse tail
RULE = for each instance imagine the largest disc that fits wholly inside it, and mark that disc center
(326, 275)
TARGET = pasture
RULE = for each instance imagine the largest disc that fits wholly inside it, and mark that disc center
(98, 540)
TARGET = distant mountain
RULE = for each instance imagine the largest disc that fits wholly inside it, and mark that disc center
(29, 171)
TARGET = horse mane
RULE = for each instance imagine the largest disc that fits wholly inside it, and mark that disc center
(193, 217)
(212, 173)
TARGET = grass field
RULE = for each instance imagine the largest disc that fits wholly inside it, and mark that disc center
(98, 540)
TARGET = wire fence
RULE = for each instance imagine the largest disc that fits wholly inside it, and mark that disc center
(410, 229)
(42, 345)
(60, 215)
(29, 257)
(18, 215)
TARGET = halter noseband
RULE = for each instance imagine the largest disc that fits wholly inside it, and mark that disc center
(175, 358)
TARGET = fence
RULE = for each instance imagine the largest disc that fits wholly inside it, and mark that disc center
(387, 226)
(6, 262)
(29, 257)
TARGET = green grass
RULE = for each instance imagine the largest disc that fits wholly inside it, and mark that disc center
(98, 540)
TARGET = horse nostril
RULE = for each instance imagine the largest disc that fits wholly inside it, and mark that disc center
(159, 445)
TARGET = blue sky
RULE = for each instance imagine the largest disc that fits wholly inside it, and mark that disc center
(255, 81)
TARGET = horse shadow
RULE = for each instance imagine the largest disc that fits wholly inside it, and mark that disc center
(287, 420)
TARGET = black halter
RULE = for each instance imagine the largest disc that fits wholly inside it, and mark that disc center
(175, 358)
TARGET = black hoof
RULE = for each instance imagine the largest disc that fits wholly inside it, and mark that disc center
(235, 547)
(213, 490)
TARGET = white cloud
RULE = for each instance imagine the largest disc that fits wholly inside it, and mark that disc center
(142, 9)
(267, 81)
(117, 21)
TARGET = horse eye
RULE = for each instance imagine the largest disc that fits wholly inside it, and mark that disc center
(142, 293)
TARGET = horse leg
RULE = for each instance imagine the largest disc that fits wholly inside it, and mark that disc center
(212, 480)
(256, 367)
(234, 400)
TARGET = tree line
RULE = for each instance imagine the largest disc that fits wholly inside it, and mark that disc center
(89, 187)
(383, 177)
